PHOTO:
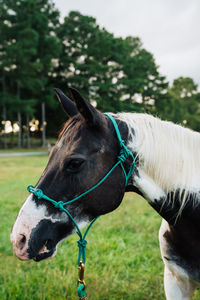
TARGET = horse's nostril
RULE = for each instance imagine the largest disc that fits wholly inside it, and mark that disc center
(22, 241)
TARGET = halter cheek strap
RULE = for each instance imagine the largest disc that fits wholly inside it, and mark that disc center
(122, 157)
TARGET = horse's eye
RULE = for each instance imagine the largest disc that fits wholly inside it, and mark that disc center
(74, 164)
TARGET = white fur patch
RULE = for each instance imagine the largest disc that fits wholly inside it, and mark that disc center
(28, 218)
(177, 282)
(148, 187)
(83, 223)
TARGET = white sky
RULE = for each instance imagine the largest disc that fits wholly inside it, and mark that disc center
(170, 29)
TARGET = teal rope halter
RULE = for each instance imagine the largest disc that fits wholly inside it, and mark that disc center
(123, 155)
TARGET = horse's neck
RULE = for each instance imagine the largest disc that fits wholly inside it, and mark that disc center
(160, 179)
(168, 153)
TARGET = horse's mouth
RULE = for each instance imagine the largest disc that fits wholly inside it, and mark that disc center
(46, 251)
(44, 255)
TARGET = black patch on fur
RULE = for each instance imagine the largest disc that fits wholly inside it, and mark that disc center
(183, 236)
(49, 233)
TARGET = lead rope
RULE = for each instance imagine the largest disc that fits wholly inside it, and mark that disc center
(123, 155)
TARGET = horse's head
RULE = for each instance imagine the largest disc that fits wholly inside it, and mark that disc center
(86, 150)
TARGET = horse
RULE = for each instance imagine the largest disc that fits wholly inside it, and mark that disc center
(166, 174)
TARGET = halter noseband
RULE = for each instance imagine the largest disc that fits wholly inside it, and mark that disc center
(123, 155)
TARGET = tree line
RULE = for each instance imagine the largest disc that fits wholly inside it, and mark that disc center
(38, 53)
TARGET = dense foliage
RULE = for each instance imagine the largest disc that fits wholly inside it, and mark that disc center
(37, 53)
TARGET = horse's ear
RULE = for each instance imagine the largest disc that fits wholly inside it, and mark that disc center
(67, 104)
(90, 114)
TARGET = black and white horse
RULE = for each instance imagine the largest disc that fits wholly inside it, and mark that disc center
(167, 175)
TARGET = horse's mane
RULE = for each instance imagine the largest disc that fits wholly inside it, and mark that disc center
(168, 153)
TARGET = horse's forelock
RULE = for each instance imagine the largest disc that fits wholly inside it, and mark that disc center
(76, 120)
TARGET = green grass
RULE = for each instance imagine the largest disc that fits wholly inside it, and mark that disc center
(123, 257)
(11, 150)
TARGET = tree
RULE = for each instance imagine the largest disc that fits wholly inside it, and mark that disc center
(115, 74)
(4, 37)
(182, 103)
(143, 84)
(29, 46)
(109, 70)
(49, 48)
(19, 45)
(86, 52)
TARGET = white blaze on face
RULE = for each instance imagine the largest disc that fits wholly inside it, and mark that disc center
(28, 218)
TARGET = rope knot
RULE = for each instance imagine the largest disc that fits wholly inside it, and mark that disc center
(82, 244)
(123, 154)
(122, 144)
(38, 193)
(59, 205)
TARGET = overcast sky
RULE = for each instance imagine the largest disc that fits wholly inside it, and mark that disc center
(170, 29)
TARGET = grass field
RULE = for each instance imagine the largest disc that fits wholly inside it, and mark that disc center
(123, 258)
